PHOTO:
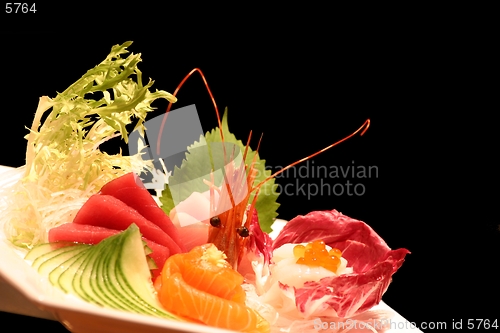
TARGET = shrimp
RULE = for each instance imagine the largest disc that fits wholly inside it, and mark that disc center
(229, 228)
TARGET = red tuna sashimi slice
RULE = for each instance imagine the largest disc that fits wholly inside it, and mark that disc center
(80, 233)
(130, 189)
(90, 234)
(109, 212)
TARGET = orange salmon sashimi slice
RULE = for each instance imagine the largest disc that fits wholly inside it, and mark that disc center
(202, 286)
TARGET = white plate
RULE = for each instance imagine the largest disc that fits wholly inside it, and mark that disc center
(25, 292)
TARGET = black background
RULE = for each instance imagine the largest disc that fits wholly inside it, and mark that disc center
(304, 87)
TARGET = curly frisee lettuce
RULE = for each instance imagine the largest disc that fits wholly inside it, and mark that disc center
(64, 164)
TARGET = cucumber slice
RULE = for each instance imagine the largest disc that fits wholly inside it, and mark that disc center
(134, 275)
(39, 260)
(108, 272)
(65, 280)
(58, 260)
(113, 273)
(92, 278)
(56, 273)
(81, 281)
(44, 248)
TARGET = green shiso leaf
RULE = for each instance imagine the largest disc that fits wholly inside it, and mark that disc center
(206, 155)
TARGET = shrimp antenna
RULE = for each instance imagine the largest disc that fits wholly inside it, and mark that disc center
(158, 143)
(363, 127)
(170, 106)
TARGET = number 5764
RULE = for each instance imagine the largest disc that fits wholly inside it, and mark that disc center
(19, 7)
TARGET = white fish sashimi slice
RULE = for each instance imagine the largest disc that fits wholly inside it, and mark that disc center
(195, 208)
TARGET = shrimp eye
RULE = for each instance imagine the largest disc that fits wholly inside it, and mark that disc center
(215, 221)
(243, 231)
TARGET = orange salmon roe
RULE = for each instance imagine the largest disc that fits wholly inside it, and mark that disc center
(315, 254)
